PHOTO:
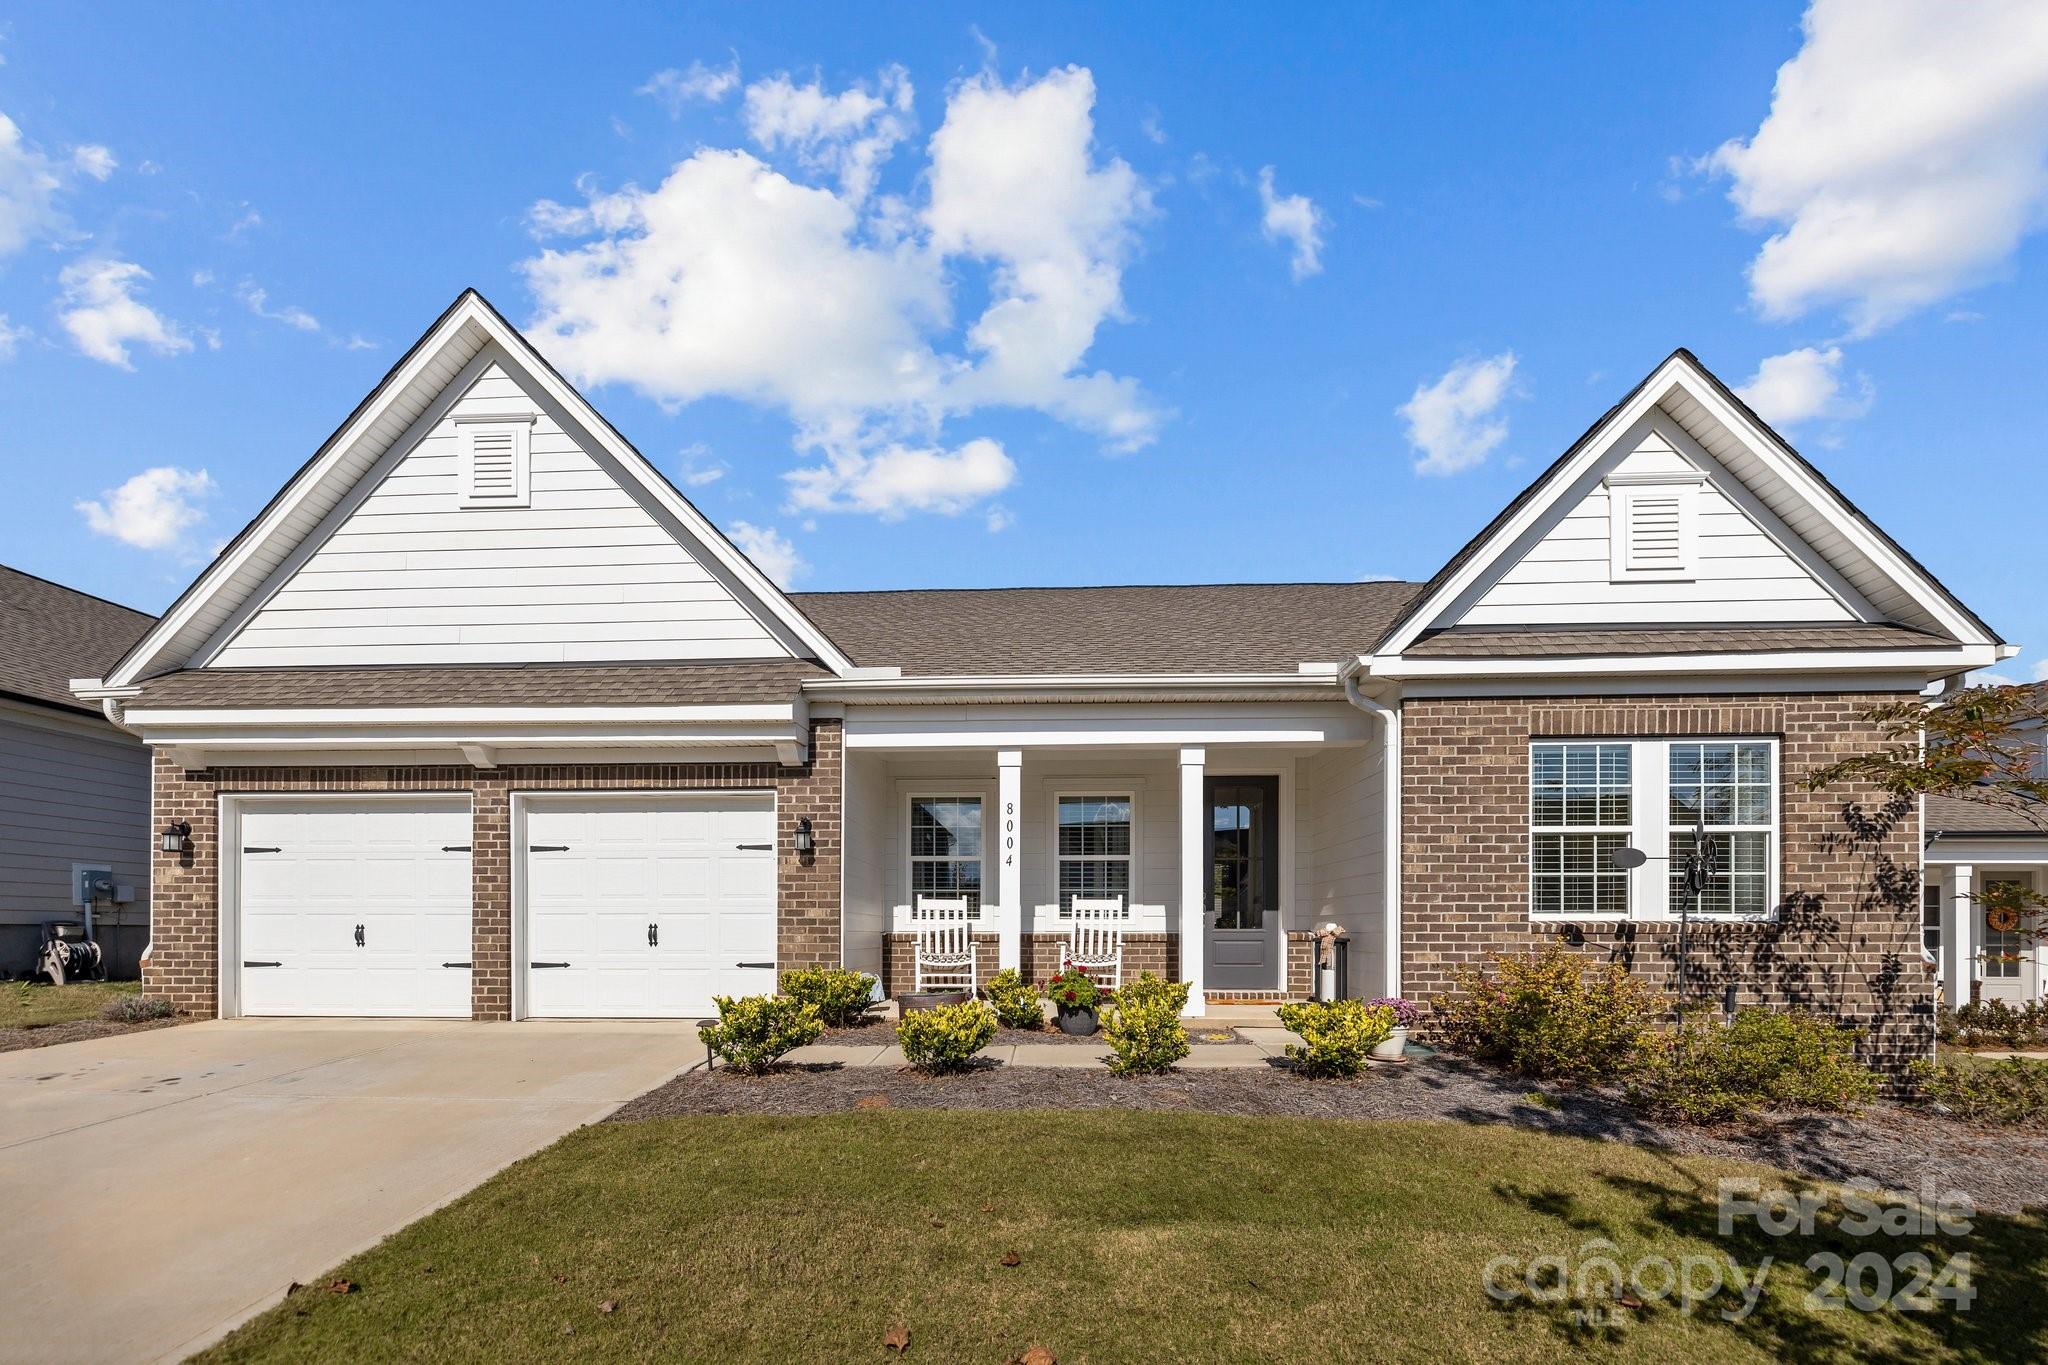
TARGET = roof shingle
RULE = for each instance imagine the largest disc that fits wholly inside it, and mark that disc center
(50, 634)
(679, 684)
(1960, 815)
(1489, 642)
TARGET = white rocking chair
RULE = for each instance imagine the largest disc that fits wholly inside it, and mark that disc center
(945, 944)
(1095, 943)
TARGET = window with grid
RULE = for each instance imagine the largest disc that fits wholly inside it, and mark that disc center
(1579, 817)
(945, 848)
(1930, 919)
(2002, 947)
(1094, 848)
(1727, 787)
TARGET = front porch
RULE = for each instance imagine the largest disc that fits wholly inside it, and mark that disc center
(1240, 847)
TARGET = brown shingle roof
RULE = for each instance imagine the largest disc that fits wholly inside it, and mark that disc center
(50, 634)
(1482, 642)
(1959, 815)
(681, 684)
(1221, 628)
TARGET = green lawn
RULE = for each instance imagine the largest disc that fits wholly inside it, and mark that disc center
(1138, 1237)
(29, 1004)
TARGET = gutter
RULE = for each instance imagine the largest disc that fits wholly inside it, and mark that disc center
(1389, 718)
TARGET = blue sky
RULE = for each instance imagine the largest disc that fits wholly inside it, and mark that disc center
(1013, 294)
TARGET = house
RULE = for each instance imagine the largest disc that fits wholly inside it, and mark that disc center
(74, 788)
(481, 718)
(1972, 846)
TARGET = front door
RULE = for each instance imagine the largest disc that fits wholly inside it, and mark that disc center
(2005, 965)
(1243, 951)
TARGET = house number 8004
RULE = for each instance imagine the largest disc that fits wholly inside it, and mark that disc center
(1009, 833)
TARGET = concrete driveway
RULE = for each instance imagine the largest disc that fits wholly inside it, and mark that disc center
(162, 1187)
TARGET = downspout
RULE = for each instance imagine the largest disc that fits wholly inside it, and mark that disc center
(1390, 805)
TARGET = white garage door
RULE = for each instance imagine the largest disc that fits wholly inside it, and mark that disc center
(646, 907)
(351, 909)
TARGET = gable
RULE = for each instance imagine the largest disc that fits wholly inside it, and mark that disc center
(1656, 532)
(455, 552)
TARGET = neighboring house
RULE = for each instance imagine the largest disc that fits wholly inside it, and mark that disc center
(480, 717)
(1971, 847)
(74, 790)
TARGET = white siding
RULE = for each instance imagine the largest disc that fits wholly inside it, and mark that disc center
(584, 573)
(70, 791)
(1743, 572)
(1342, 821)
(864, 817)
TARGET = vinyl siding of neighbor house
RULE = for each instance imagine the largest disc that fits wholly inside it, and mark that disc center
(1742, 570)
(1342, 800)
(584, 573)
(72, 790)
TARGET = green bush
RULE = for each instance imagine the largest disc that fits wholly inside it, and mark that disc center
(1709, 1072)
(137, 1009)
(1144, 1030)
(2011, 1091)
(1336, 1035)
(1993, 1023)
(842, 996)
(1014, 1000)
(755, 1030)
(1550, 1014)
(946, 1038)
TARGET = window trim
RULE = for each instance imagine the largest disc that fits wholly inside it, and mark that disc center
(1649, 886)
(910, 859)
(1125, 790)
(521, 429)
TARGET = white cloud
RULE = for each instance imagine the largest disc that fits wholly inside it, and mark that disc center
(999, 519)
(29, 184)
(257, 301)
(700, 468)
(1295, 220)
(676, 89)
(11, 337)
(1803, 384)
(732, 278)
(104, 317)
(1456, 421)
(94, 160)
(1150, 126)
(771, 552)
(1904, 156)
(897, 480)
(847, 135)
(151, 511)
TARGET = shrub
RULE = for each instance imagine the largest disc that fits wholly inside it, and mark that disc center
(1993, 1023)
(137, 1009)
(1144, 1031)
(1336, 1035)
(1551, 1014)
(754, 1031)
(1406, 1012)
(1014, 1000)
(841, 995)
(1073, 988)
(1709, 1072)
(946, 1038)
(2011, 1091)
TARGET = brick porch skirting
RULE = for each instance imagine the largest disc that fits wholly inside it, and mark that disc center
(182, 965)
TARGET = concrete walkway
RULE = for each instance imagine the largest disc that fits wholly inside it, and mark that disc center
(162, 1187)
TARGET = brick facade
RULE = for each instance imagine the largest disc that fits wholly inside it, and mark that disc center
(1846, 942)
(184, 950)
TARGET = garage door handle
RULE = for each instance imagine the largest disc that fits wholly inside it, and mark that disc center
(359, 936)
(765, 848)
(766, 966)
(538, 965)
(654, 936)
(547, 848)
(455, 848)
(262, 964)
(455, 964)
(248, 849)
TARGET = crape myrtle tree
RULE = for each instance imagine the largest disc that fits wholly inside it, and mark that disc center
(1981, 744)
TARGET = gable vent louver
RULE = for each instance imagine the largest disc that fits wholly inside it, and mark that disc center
(1652, 530)
(496, 462)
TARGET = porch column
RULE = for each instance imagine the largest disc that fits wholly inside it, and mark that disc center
(1959, 936)
(1009, 872)
(1193, 875)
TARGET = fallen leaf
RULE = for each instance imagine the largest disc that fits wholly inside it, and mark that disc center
(342, 1287)
(897, 1338)
(561, 1279)
(608, 1306)
(1630, 1302)
(937, 1223)
(1012, 1258)
(1036, 1355)
(872, 1102)
(988, 1208)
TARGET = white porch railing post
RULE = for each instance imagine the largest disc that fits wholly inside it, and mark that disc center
(1959, 936)
(1193, 874)
(1009, 871)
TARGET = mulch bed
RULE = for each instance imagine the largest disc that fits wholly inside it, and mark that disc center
(882, 1033)
(75, 1031)
(2002, 1170)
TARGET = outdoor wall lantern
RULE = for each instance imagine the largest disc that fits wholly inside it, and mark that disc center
(177, 837)
(804, 842)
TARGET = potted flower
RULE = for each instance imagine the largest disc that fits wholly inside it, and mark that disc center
(1075, 996)
(1405, 1015)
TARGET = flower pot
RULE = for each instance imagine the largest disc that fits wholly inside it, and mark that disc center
(1391, 1049)
(1079, 1020)
(912, 1001)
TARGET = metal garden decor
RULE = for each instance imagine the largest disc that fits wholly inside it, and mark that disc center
(1702, 863)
